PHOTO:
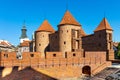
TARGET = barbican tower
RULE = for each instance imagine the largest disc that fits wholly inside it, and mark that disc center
(42, 38)
(70, 33)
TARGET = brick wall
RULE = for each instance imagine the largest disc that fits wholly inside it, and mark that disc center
(42, 42)
(95, 42)
(65, 66)
(53, 59)
(54, 41)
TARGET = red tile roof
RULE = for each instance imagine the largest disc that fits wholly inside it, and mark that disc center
(5, 43)
(104, 25)
(68, 19)
(25, 44)
(46, 27)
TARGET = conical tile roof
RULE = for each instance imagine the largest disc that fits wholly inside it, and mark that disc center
(68, 19)
(104, 25)
(46, 27)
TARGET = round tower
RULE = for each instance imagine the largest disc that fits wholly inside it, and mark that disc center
(69, 32)
(42, 38)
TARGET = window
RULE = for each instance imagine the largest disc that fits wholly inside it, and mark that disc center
(110, 45)
(73, 50)
(74, 54)
(39, 44)
(32, 55)
(110, 36)
(77, 44)
(64, 42)
(5, 55)
(54, 55)
(65, 54)
(76, 34)
(67, 31)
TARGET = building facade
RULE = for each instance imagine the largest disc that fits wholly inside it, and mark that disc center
(6, 46)
(70, 37)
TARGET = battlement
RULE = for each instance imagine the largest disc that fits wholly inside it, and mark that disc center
(52, 59)
(74, 62)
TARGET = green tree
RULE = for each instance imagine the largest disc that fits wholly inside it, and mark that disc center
(118, 51)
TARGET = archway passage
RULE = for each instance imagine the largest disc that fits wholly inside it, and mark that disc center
(86, 70)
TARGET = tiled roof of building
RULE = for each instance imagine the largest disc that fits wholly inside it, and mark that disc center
(46, 27)
(68, 19)
(25, 44)
(104, 25)
(5, 43)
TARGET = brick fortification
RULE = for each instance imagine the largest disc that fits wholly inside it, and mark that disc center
(101, 40)
(68, 52)
(58, 67)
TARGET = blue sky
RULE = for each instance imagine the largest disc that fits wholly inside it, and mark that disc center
(88, 12)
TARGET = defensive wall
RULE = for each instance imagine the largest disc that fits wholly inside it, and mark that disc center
(55, 65)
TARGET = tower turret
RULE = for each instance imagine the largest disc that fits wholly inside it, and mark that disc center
(23, 35)
(69, 34)
(104, 29)
(42, 38)
(104, 32)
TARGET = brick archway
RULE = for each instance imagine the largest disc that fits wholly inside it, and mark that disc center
(86, 70)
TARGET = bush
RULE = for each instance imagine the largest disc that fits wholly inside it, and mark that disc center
(118, 51)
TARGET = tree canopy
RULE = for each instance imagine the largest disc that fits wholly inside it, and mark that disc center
(118, 51)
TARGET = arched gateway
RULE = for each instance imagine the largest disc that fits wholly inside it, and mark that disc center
(86, 70)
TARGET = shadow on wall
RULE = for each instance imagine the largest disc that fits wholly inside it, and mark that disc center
(47, 49)
(27, 73)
